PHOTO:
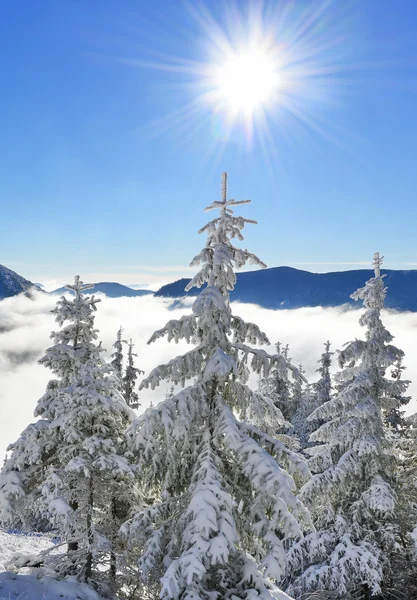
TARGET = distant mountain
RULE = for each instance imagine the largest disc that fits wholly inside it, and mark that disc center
(110, 289)
(12, 284)
(276, 288)
(285, 287)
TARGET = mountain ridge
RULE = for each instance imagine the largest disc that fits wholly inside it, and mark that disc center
(12, 284)
(111, 289)
(286, 288)
(272, 288)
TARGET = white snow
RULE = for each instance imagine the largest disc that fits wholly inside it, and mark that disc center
(29, 584)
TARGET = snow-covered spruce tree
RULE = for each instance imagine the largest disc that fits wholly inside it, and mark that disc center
(299, 408)
(69, 466)
(35, 449)
(394, 417)
(404, 563)
(130, 378)
(301, 427)
(322, 389)
(401, 433)
(277, 385)
(170, 393)
(223, 511)
(310, 398)
(117, 356)
(297, 392)
(351, 495)
(278, 388)
(410, 477)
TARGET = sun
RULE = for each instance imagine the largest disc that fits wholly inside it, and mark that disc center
(248, 81)
(259, 74)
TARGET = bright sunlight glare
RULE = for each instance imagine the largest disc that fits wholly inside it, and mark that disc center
(247, 81)
(260, 73)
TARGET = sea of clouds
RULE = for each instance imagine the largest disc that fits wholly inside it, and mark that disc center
(26, 324)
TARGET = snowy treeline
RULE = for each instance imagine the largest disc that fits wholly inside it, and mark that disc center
(221, 491)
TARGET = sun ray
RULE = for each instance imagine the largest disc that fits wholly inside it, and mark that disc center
(257, 70)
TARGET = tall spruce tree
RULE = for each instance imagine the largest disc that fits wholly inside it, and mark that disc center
(301, 426)
(322, 389)
(410, 480)
(37, 445)
(352, 494)
(277, 385)
(224, 510)
(403, 581)
(299, 400)
(117, 356)
(310, 398)
(130, 378)
(69, 466)
(394, 416)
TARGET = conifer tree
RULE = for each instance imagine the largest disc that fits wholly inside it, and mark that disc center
(410, 479)
(224, 512)
(301, 406)
(277, 385)
(297, 392)
(69, 466)
(301, 426)
(130, 378)
(170, 393)
(310, 398)
(352, 494)
(38, 443)
(322, 389)
(403, 580)
(394, 416)
(117, 356)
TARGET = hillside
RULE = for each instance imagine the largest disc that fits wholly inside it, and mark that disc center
(275, 288)
(285, 287)
(111, 290)
(11, 283)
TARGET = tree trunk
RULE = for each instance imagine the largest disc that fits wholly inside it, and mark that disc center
(90, 534)
(112, 553)
(73, 546)
(367, 594)
(212, 395)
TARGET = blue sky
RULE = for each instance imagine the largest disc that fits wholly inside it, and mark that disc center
(97, 179)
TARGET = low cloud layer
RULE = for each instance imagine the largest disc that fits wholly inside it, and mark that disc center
(25, 327)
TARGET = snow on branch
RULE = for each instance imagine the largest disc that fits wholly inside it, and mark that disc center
(293, 462)
(267, 478)
(177, 370)
(183, 328)
(247, 332)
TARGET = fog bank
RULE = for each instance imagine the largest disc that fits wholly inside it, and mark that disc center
(25, 327)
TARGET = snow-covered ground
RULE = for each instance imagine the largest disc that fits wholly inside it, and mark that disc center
(25, 585)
